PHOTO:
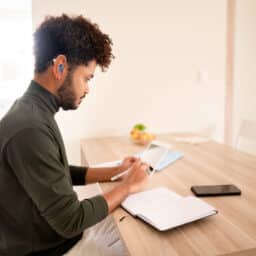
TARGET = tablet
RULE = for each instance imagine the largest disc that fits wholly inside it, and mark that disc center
(154, 153)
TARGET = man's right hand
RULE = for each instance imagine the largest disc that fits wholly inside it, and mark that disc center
(133, 182)
(137, 178)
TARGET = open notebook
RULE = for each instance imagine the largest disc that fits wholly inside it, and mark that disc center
(164, 209)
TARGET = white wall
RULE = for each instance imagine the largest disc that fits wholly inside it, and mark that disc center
(245, 66)
(159, 46)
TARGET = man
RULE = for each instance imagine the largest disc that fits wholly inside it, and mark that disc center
(39, 211)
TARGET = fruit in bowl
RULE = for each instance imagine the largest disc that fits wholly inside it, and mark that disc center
(139, 135)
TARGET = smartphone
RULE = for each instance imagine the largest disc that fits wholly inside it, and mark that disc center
(154, 153)
(216, 190)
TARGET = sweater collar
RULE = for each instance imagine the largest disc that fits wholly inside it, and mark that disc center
(43, 97)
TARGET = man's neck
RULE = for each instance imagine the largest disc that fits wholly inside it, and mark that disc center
(45, 81)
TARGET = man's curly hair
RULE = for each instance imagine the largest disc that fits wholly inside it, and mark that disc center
(77, 38)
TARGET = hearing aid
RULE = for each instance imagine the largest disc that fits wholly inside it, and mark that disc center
(61, 68)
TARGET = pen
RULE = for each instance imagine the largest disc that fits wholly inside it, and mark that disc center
(119, 175)
(150, 172)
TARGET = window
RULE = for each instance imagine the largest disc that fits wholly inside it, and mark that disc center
(16, 62)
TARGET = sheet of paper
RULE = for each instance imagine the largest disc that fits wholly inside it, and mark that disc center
(87, 191)
(192, 139)
(170, 158)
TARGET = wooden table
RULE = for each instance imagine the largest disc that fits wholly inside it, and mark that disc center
(232, 229)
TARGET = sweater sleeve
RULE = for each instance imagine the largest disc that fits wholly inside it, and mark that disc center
(78, 174)
(34, 157)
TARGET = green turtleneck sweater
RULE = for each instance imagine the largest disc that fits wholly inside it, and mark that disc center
(39, 211)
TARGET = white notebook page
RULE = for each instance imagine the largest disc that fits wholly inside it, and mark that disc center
(147, 200)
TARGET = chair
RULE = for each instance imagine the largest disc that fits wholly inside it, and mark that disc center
(246, 138)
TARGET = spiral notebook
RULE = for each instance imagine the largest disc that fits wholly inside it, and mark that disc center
(164, 209)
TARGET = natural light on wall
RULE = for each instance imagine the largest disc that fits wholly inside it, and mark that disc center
(16, 61)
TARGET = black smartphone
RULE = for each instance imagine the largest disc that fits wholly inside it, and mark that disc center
(216, 190)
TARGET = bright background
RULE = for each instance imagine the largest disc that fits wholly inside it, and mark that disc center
(169, 72)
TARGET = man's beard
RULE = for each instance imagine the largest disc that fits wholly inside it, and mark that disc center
(66, 93)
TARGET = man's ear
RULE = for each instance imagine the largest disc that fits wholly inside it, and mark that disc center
(60, 67)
